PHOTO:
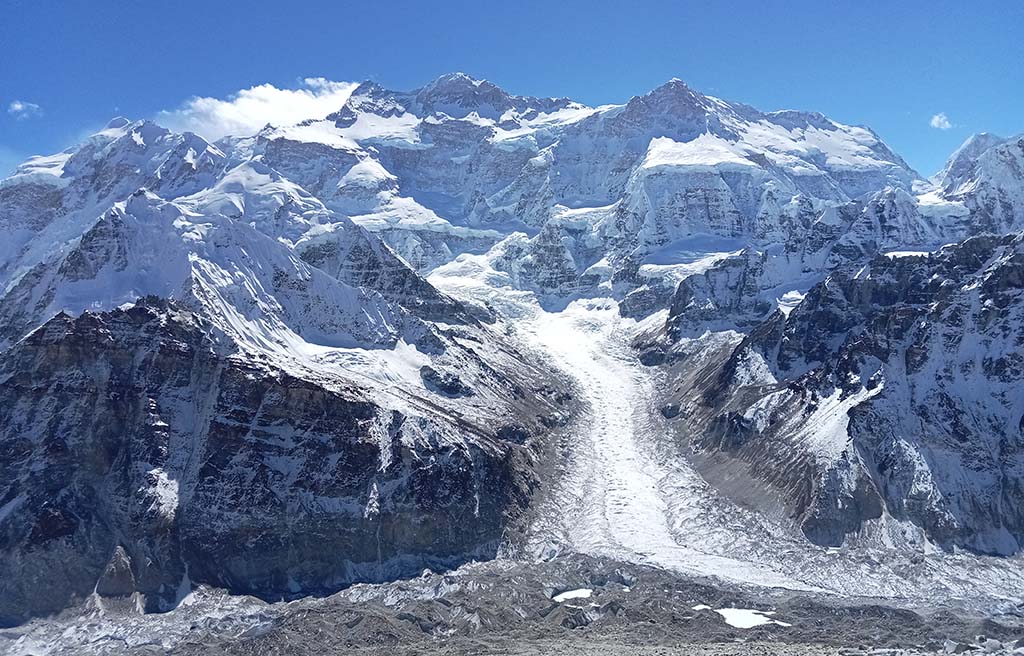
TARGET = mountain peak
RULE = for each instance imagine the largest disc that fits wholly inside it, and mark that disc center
(671, 87)
(460, 86)
(367, 87)
(977, 143)
(456, 78)
(672, 101)
(458, 95)
(121, 125)
(675, 91)
(961, 162)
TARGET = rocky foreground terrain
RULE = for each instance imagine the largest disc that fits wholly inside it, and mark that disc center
(567, 605)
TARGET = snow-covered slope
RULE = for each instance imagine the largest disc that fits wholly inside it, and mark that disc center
(258, 195)
(255, 290)
(50, 201)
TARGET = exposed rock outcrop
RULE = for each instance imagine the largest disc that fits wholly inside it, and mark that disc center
(134, 433)
(889, 392)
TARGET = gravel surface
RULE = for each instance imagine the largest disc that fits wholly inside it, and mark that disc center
(508, 607)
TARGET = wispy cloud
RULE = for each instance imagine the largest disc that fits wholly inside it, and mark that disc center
(248, 110)
(940, 121)
(21, 109)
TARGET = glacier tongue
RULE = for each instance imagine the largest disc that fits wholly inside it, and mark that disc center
(620, 497)
(625, 490)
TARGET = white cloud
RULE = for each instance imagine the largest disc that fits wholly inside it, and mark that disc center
(20, 109)
(940, 121)
(248, 110)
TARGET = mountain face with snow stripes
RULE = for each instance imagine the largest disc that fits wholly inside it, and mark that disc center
(290, 360)
(887, 395)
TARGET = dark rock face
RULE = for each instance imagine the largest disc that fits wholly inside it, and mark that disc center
(889, 391)
(670, 410)
(117, 579)
(141, 456)
(361, 260)
(725, 297)
(447, 383)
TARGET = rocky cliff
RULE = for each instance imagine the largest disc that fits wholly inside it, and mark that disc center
(890, 391)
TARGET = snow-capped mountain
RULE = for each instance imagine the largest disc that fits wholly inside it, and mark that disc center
(436, 177)
(878, 405)
(990, 184)
(145, 456)
(889, 393)
(191, 339)
(334, 351)
(256, 290)
(979, 192)
(960, 165)
(50, 201)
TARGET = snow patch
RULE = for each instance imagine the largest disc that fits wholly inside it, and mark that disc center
(789, 300)
(705, 152)
(320, 132)
(164, 491)
(580, 593)
(748, 618)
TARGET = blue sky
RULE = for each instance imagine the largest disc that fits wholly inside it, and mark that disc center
(68, 67)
